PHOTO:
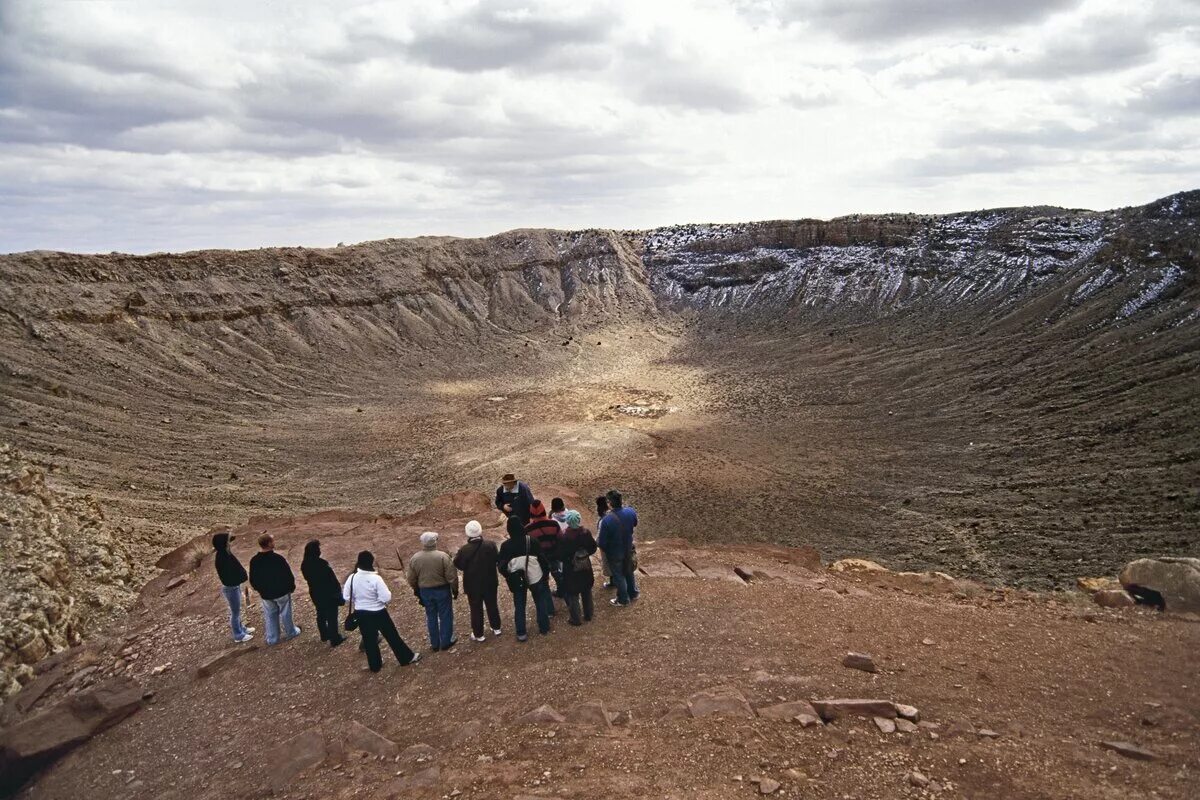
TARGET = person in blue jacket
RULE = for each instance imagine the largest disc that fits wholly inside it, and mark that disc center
(514, 498)
(617, 542)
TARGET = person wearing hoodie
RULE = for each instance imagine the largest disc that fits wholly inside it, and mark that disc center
(433, 577)
(232, 575)
(272, 578)
(545, 533)
(575, 554)
(368, 597)
(325, 591)
(476, 560)
(524, 567)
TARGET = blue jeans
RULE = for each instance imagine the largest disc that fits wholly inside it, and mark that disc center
(439, 616)
(623, 578)
(542, 603)
(233, 596)
(277, 614)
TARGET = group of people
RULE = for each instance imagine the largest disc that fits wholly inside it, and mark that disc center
(542, 547)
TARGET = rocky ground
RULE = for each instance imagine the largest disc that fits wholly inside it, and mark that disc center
(700, 689)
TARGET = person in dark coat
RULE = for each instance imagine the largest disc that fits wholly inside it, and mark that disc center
(272, 578)
(325, 591)
(232, 575)
(545, 533)
(524, 567)
(575, 549)
(513, 497)
(476, 560)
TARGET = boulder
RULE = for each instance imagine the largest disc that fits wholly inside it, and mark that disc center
(905, 726)
(722, 700)
(1176, 580)
(1113, 598)
(860, 661)
(361, 738)
(542, 715)
(836, 709)
(215, 663)
(884, 724)
(1130, 751)
(787, 711)
(38, 741)
(908, 712)
(592, 713)
(292, 757)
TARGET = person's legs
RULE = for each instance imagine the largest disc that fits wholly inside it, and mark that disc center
(604, 568)
(573, 608)
(431, 617)
(285, 617)
(548, 598)
(493, 610)
(542, 601)
(403, 652)
(445, 612)
(270, 609)
(327, 623)
(519, 612)
(233, 596)
(588, 607)
(368, 626)
(475, 602)
(618, 577)
(631, 579)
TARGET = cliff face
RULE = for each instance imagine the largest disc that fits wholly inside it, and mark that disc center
(1124, 260)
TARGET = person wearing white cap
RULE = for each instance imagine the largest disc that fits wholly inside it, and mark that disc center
(476, 560)
(433, 577)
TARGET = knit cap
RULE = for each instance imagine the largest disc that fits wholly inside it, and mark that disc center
(573, 519)
(474, 530)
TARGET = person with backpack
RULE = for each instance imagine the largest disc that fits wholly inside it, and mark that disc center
(574, 553)
(476, 560)
(272, 578)
(325, 591)
(617, 542)
(368, 597)
(545, 533)
(524, 568)
(433, 577)
(232, 575)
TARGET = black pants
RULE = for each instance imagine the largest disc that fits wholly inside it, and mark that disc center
(373, 624)
(327, 622)
(477, 602)
(573, 603)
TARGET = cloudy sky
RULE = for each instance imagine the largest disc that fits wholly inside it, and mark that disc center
(144, 126)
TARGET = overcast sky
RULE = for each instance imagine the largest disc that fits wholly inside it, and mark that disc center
(176, 125)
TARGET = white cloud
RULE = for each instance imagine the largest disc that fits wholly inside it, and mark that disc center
(146, 126)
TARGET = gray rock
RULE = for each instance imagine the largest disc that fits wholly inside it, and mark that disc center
(835, 709)
(787, 711)
(859, 661)
(542, 715)
(884, 724)
(214, 664)
(1176, 579)
(723, 700)
(1130, 751)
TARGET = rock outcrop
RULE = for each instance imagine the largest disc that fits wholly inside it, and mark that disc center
(63, 569)
(1175, 580)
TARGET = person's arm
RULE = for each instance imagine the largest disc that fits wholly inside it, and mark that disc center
(451, 576)
(291, 576)
(346, 588)
(526, 494)
(589, 543)
(255, 575)
(499, 498)
(385, 595)
(501, 561)
(410, 573)
(458, 561)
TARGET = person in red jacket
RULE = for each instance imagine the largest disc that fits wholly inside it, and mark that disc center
(546, 532)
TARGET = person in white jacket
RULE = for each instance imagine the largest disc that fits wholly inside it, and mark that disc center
(368, 597)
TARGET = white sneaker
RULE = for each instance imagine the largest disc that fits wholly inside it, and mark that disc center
(416, 658)
(496, 631)
(250, 630)
(245, 638)
(475, 638)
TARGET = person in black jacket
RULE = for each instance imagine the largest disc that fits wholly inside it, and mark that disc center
(272, 578)
(232, 575)
(513, 497)
(476, 560)
(325, 591)
(523, 565)
(575, 549)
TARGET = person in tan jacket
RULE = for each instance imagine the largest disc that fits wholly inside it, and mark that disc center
(432, 576)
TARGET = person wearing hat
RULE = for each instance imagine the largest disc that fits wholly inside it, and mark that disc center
(433, 577)
(575, 550)
(232, 575)
(514, 498)
(476, 560)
